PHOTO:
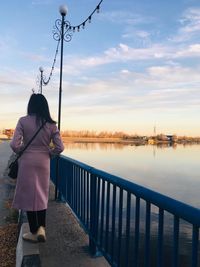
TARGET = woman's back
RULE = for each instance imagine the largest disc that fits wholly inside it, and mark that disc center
(32, 188)
(27, 126)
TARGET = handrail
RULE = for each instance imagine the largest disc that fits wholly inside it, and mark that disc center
(105, 204)
(182, 210)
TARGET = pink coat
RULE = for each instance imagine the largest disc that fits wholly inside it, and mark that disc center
(32, 187)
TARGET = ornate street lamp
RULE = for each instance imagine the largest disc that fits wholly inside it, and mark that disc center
(61, 33)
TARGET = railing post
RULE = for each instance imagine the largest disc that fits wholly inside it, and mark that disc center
(99, 203)
(69, 183)
(93, 202)
(56, 180)
(58, 195)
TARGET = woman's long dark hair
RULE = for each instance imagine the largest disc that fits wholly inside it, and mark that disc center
(38, 106)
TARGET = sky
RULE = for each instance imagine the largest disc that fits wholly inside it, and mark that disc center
(134, 68)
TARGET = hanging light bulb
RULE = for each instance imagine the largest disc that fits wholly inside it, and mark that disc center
(74, 29)
(78, 28)
(83, 25)
(89, 19)
(98, 9)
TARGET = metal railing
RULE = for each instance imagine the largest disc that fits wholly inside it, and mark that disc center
(129, 224)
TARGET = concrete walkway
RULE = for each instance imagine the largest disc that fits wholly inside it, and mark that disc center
(67, 244)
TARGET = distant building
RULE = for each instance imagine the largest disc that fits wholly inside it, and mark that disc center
(169, 137)
(8, 132)
(3, 137)
(172, 138)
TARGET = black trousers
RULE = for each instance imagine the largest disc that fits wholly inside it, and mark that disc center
(36, 219)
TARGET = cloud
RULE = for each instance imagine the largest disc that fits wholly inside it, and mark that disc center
(41, 2)
(191, 20)
(192, 50)
(124, 71)
(7, 45)
(169, 77)
(142, 34)
(35, 57)
(124, 53)
(168, 88)
(120, 53)
(13, 81)
(158, 87)
(165, 88)
(132, 25)
(125, 18)
(189, 25)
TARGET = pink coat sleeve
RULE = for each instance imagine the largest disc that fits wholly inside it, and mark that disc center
(17, 142)
(58, 146)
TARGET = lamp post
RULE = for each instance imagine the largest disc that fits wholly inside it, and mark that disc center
(41, 78)
(61, 33)
(63, 12)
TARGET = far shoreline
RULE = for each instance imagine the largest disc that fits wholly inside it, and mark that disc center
(99, 140)
(123, 141)
(117, 140)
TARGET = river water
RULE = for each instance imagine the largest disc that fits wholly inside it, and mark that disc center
(170, 170)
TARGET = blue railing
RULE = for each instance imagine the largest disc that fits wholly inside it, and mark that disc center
(129, 224)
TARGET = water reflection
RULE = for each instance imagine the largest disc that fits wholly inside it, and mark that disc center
(164, 145)
(94, 146)
(170, 170)
(118, 146)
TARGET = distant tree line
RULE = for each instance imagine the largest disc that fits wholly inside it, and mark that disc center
(94, 134)
(122, 135)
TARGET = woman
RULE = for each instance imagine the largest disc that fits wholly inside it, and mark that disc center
(32, 188)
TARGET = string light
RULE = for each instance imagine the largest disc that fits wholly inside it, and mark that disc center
(89, 18)
(71, 28)
(45, 82)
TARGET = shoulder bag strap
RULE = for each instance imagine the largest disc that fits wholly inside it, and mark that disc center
(30, 141)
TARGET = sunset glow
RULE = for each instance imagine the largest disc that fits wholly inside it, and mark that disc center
(135, 67)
